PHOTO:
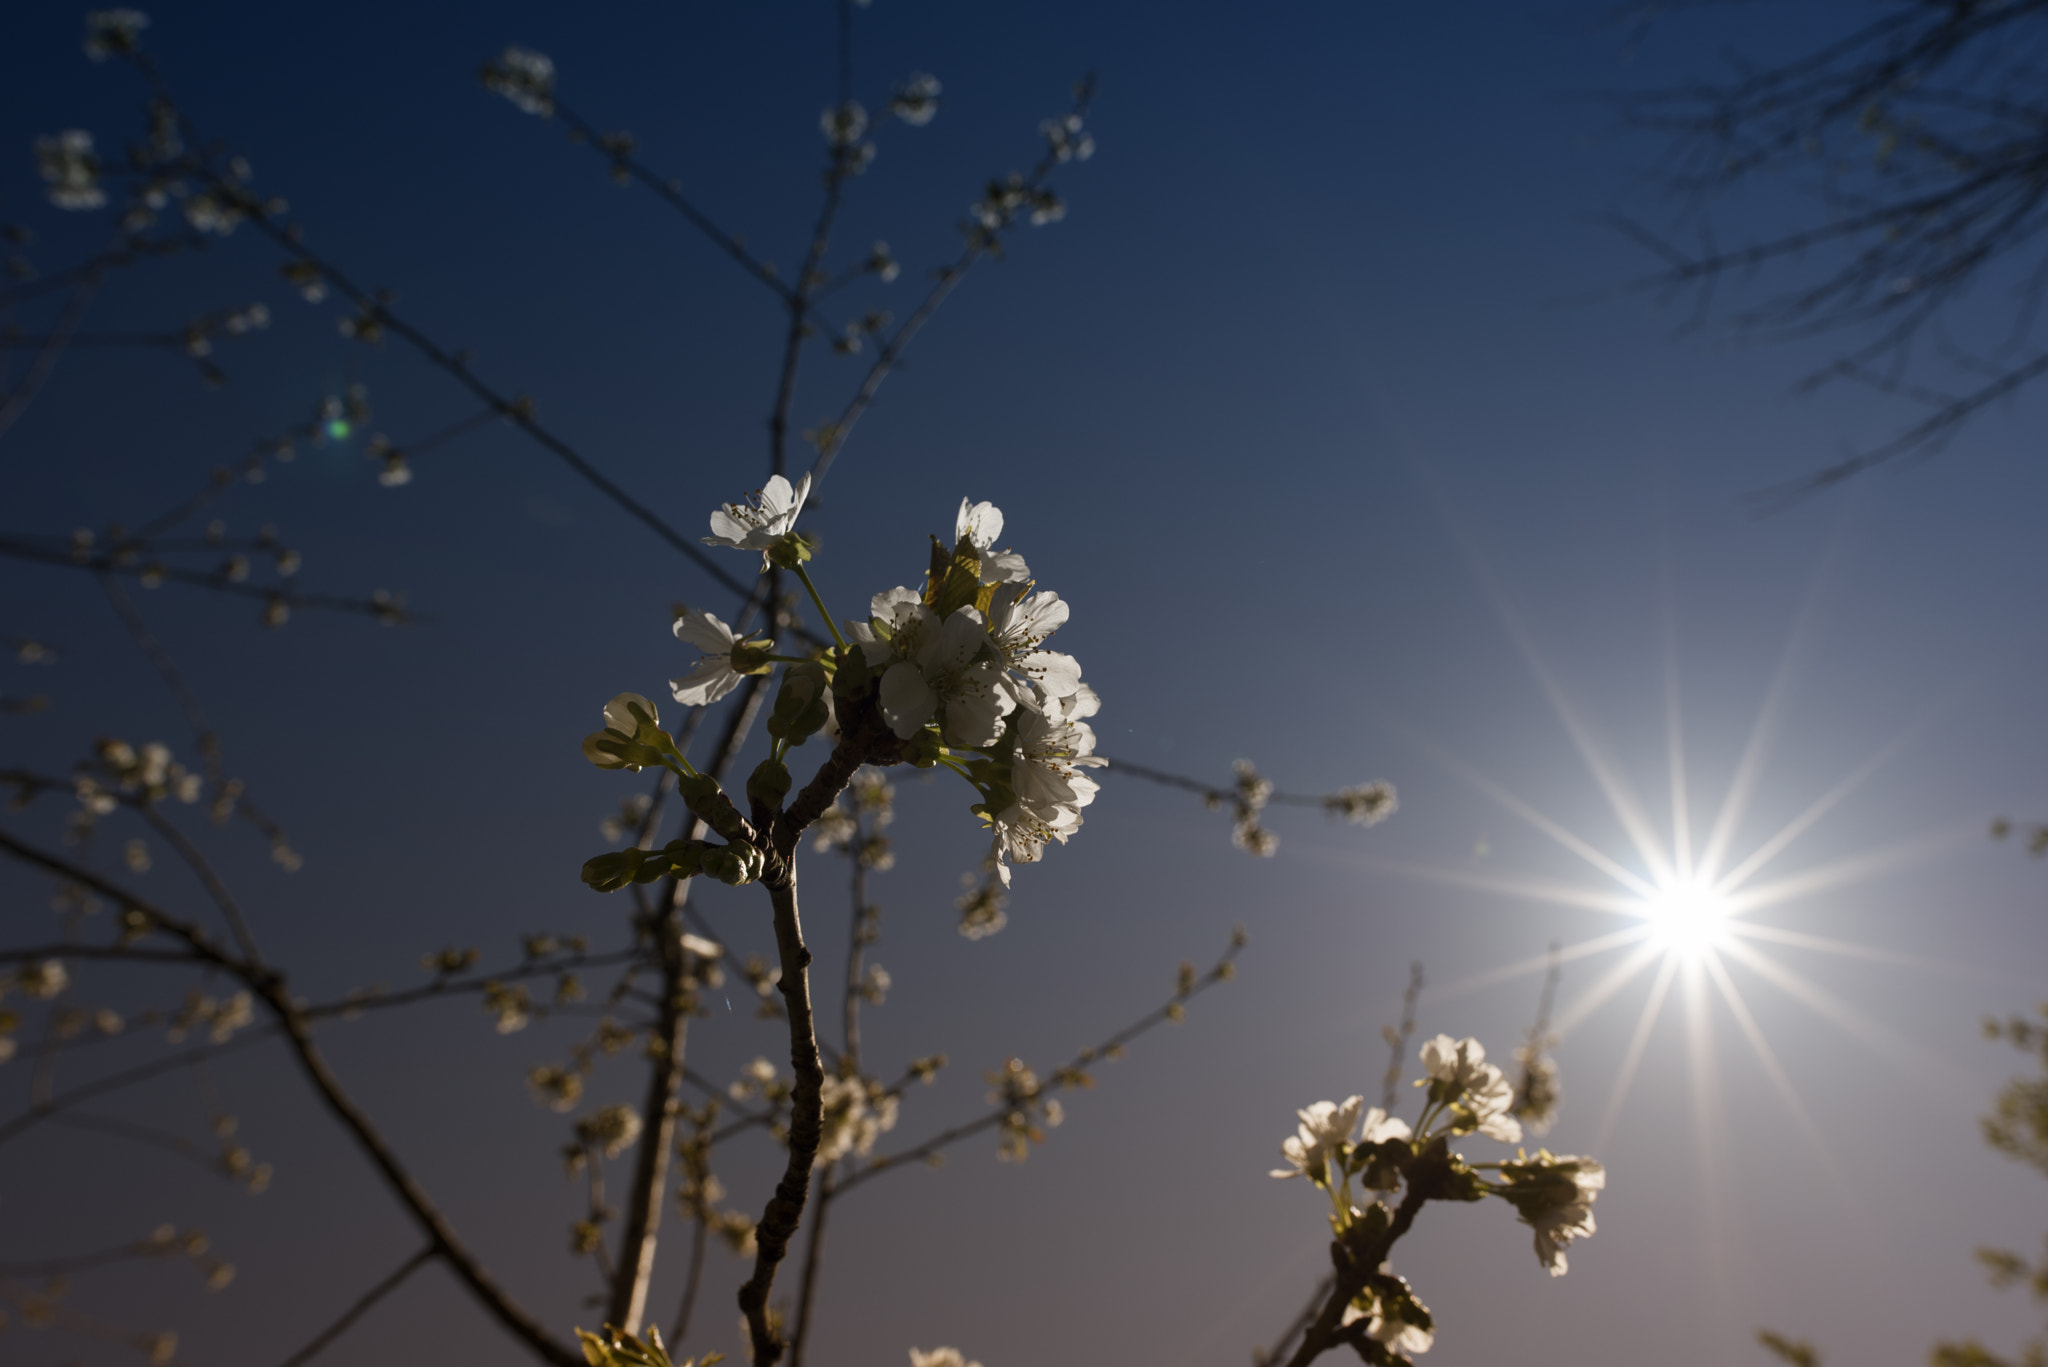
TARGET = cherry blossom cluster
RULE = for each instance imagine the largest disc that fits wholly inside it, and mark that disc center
(1336, 1143)
(525, 78)
(954, 674)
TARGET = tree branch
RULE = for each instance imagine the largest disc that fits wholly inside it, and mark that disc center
(360, 1308)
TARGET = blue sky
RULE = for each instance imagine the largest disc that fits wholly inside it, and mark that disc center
(1305, 409)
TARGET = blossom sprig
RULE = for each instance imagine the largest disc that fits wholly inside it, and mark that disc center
(1336, 1143)
(524, 77)
(1250, 793)
(954, 674)
(916, 101)
(114, 33)
(632, 738)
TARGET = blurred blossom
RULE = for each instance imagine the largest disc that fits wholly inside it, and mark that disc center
(939, 1357)
(844, 125)
(1366, 805)
(113, 32)
(614, 1129)
(916, 101)
(1067, 139)
(524, 77)
(1554, 1196)
(70, 169)
(882, 264)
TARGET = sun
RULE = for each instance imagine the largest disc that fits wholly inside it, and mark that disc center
(1694, 899)
(1688, 919)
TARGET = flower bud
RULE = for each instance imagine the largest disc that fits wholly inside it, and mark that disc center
(752, 657)
(923, 749)
(770, 782)
(610, 872)
(802, 705)
(790, 550)
(735, 865)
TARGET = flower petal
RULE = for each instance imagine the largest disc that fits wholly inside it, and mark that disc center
(700, 629)
(907, 700)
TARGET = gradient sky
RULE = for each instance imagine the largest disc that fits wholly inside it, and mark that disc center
(1293, 409)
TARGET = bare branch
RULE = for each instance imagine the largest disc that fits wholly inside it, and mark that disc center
(362, 1307)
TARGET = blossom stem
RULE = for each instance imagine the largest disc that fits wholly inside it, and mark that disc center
(819, 602)
(960, 767)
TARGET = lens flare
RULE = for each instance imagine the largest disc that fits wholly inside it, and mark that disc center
(1687, 919)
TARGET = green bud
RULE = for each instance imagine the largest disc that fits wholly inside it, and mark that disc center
(769, 783)
(735, 865)
(923, 749)
(851, 677)
(802, 705)
(677, 859)
(610, 750)
(750, 656)
(632, 737)
(697, 790)
(791, 550)
(610, 872)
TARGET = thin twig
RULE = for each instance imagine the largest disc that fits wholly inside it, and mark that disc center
(360, 1308)
(1061, 1079)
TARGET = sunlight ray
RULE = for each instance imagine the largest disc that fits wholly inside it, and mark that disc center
(1739, 1008)
(1921, 1065)
(1827, 944)
(1598, 995)
(1854, 868)
(1534, 963)
(1645, 1023)
(1710, 1127)
(1563, 837)
(1515, 885)
(1798, 825)
(1674, 736)
(1750, 765)
(1620, 798)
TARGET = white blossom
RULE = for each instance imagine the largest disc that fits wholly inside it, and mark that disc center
(981, 524)
(620, 726)
(1050, 742)
(1067, 139)
(714, 676)
(1052, 746)
(109, 32)
(884, 264)
(1398, 1335)
(852, 1118)
(1325, 1127)
(939, 1357)
(1378, 1127)
(1021, 835)
(70, 168)
(1554, 1196)
(613, 1129)
(932, 667)
(916, 100)
(44, 980)
(844, 125)
(1019, 622)
(1475, 1085)
(525, 78)
(765, 518)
